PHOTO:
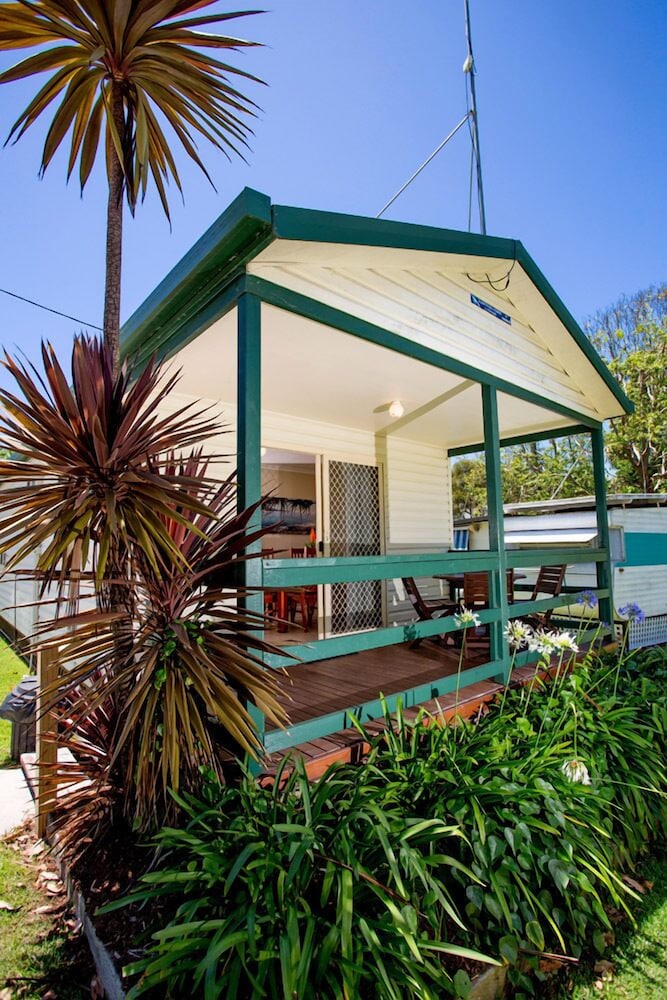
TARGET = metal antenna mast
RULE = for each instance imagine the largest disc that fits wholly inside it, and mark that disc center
(469, 67)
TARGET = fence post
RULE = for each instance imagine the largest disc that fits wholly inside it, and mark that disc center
(46, 747)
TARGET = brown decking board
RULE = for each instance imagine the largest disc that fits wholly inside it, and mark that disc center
(348, 746)
(345, 681)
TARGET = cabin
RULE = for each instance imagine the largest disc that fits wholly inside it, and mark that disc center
(637, 526)
(350, 359)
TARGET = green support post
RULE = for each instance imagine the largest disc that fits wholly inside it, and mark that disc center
(494, 487)
(604, 573)
(248, 449)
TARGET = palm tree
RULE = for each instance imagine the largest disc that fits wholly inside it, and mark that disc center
(128, 68)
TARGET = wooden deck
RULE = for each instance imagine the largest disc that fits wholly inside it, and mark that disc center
(314, 689)
(330, 685)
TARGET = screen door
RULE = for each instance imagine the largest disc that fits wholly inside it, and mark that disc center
(353, 528)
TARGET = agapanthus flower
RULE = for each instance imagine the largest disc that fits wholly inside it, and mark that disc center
(632, 612)
(467, 618)
(576, 772)
(564, 641)
(517, 633)
(542, 642)
(588, 598)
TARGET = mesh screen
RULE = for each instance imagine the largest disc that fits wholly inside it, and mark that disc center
(355, 530)
(650, 632)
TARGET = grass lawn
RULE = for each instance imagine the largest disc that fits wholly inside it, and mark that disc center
(640, 954)
(40, 954)
(12, 669)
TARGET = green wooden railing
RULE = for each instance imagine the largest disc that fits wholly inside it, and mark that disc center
(291, 573)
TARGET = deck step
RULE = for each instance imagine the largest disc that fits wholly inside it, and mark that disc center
(348, 746)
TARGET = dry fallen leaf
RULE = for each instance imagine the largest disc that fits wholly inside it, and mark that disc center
(49, 876)
(4, 905)
(604, 968)
(634, 884)
(49, 908)
(54, 888)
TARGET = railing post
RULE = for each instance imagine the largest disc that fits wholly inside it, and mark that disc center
(494, 487)
(46, 730)
(248, 449)
(603, 569)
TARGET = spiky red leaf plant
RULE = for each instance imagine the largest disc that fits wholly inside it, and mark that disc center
(88, 485)
(194, 662)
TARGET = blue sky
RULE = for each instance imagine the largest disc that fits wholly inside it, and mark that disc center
(571, 97)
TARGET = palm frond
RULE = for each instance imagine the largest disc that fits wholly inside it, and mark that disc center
(159, 58)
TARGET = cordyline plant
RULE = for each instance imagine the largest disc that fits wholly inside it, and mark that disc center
(192, 663)
(86, 487)
(169, 658)
(123, 72)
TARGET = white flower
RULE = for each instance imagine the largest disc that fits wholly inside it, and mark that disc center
(542, 642)
(576, 772)
(466, 618)
(564, 641)
(518, 633)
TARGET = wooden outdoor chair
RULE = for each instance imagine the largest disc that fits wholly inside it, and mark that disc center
(476, 598)
(549, 583)
(302, 599)
(270, 596)
(427, 610)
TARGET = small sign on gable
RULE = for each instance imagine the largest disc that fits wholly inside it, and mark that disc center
(487, 307)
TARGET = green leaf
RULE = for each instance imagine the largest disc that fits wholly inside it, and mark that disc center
(535, 934)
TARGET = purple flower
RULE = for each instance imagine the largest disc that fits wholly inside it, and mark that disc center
(632, 612)
(588, 598)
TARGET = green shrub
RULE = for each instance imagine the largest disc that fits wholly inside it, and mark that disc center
(509, 835)
(303, 891)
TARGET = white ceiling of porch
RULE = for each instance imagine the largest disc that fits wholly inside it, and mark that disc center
(311, 371)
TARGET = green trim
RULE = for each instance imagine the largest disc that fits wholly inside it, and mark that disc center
(302, 305)
(248, 456)
(283, 573)
(379, 638)
(603, 569)
(359, 230)
(324, 725)
(469, 449)
(645, 548)
(522, 608)
(329, 227)
(553, 557)
(494, 488)
(243, 229)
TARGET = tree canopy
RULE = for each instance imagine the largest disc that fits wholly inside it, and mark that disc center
(631, 335)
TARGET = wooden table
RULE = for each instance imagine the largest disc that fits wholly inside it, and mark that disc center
(455, 581)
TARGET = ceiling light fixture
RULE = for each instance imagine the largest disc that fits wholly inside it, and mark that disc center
(396, 409)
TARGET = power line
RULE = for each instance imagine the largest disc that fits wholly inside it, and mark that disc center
(56, 312)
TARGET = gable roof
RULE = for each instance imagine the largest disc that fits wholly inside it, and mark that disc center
(348, 261)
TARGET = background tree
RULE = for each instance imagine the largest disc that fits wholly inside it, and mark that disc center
(629, 324)
(637, 443)
(561, 467)
(127, 68)
(631, 335)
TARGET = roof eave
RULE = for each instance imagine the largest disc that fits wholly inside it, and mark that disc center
(236, 236)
